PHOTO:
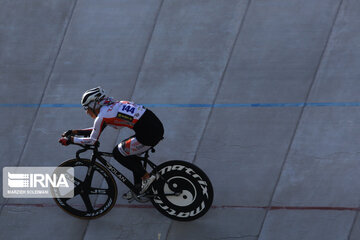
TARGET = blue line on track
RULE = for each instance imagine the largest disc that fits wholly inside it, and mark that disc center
(220, 105)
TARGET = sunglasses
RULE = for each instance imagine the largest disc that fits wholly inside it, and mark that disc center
(87, 106)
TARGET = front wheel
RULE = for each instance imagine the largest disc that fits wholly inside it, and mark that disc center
(95, 190)
(182, 191)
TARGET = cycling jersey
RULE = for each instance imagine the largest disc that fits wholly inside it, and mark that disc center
(117, 115)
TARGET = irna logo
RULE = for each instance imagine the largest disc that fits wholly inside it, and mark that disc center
(18, 180)
(38, 182)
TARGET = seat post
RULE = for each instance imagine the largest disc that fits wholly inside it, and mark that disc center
(146, 157)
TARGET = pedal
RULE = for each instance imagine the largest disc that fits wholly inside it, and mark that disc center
(142, 198)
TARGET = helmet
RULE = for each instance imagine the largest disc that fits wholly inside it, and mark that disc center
(92, 95)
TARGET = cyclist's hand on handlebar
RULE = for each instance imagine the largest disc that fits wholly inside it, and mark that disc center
(65, 141)
(68, 133)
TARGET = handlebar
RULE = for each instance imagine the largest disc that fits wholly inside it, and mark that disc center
(86, 148)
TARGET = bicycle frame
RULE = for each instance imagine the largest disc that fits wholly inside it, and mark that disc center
(97, 155)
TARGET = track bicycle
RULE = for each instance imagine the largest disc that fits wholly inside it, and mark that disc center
(181, 191)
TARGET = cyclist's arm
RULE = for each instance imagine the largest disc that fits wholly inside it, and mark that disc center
(83, 132)
(99, 125)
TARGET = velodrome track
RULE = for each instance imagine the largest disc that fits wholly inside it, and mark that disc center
(263, 95)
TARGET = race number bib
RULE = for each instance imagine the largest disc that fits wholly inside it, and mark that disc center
(130, 111)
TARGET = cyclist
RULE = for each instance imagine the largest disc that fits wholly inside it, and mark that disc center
(117, 114)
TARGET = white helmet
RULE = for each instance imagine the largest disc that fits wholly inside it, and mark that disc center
(92, 95)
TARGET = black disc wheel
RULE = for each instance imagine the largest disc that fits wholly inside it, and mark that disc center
(95, 190)
(182, 191)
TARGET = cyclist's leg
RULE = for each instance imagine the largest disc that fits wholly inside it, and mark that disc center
(127, 153)
(149, 131)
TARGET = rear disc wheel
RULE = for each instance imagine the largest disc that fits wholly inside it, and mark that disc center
(182, 191)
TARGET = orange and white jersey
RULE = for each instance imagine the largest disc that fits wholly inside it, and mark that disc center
(117, 115)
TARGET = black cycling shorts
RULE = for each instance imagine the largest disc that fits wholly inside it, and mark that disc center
(149, 130)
